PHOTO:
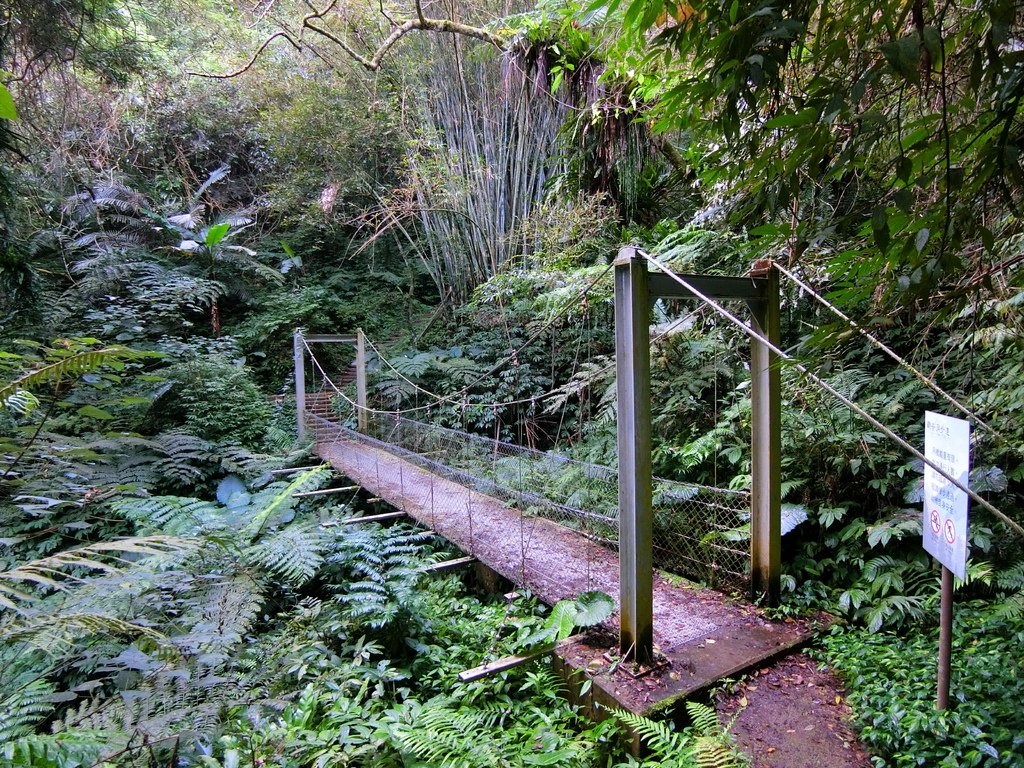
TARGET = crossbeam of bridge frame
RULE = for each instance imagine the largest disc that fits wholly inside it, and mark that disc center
(635, 288)
(299, 351)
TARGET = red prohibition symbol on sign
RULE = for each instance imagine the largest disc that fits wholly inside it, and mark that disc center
(935, 522)
(949, 531)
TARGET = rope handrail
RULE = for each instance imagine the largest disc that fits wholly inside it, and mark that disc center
(754, 335)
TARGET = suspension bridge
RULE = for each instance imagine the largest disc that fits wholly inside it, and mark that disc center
(558, 527)
(515, 510)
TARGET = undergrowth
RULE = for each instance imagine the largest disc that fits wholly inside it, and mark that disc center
(892, 689)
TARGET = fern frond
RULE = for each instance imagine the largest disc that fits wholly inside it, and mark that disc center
(174, 515)
(446, 736)
(704, 744)
(282, 499)
(22, 709)
(55, 633)
(79, 748)
(221, 616)
(294, 554)
(68, 367)
(58, 571)
(1011, 607)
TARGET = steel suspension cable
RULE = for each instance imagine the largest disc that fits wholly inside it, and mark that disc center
(755, 336)
(878, 344)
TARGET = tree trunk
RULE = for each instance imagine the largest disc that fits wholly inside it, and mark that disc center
(215, 317)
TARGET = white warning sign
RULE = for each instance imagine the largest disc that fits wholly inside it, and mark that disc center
(947, 444)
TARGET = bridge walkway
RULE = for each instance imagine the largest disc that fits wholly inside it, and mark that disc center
(702, 634)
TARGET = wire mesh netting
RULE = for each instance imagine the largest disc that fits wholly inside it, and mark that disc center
(700, 532)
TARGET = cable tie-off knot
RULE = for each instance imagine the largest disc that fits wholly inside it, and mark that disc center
(761, 268)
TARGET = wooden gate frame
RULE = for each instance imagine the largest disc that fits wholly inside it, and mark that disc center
(299, 350)
(635, 288)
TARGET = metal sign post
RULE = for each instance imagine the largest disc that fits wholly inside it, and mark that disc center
(947, 445)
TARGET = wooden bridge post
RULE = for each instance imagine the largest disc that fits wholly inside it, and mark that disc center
(633, 373)
(300, 383)
(766, 445)
(361, 411)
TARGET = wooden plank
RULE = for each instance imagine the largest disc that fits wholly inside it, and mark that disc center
(372, 518)
(446, 564)
(500, 665)
(712, 286)
(325, 491)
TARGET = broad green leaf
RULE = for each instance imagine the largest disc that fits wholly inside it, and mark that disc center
(216, 233)
(791, 120)
(562, 620)
(904, 56)
(92, 412)
(922, 239)
(593, 608)
(7, 109)
(933, 44)
(880, 227)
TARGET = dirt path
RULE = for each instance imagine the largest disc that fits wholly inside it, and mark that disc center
(792, 714)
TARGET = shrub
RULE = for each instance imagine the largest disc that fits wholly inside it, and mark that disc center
(217, 400)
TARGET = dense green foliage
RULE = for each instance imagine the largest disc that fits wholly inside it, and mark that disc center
(162, 598)
(897, 712)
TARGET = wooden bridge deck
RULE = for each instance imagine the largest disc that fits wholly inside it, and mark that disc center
(704, 635)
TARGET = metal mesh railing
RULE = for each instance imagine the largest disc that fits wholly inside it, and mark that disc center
(700, 532)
